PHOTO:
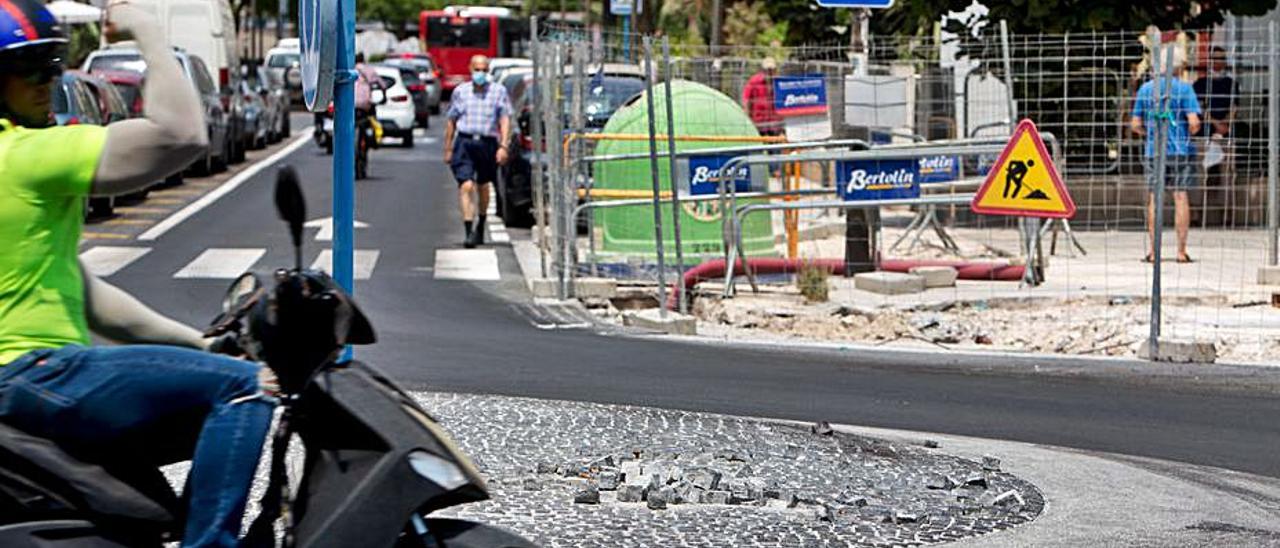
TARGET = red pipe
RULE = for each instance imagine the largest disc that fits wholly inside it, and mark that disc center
(965, 270)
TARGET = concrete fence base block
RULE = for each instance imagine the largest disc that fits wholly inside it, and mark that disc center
(936, 276)
(1180, 351)
(544, 288)
(595, 288)
(889, 283)
(651, 318)
(1269, 275)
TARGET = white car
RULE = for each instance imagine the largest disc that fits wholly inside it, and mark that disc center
(396, 114)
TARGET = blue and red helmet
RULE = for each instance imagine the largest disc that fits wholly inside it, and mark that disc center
(30, 36)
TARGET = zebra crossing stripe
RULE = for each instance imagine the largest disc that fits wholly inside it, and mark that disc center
(365, 260)
(467, 264)
(221, 263)
(103, 261)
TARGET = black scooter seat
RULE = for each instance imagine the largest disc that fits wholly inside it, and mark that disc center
(48, 483)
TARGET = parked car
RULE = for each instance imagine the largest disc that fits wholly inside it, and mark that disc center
(111, 106)
(285, 57)
(74, 103)
(257, 119)
(418, 91)
(428, 73)
(397, 115)
(499, 65)
(206, 29)
(276, 99)
(606, 93)
(216, 118)
(129, 85)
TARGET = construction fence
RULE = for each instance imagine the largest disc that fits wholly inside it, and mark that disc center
(660, 162)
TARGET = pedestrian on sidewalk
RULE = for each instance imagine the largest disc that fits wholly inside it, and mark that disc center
(757, 99)
(1183, 112)
(1219, 95)
(475, 144)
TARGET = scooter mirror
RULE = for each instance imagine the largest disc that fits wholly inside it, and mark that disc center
(292, 207)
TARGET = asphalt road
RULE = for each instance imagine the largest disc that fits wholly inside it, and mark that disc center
(467, 336)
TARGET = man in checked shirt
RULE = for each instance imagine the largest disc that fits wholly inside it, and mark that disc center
(475, 144)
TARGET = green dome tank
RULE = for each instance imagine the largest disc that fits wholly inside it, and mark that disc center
(699, 110)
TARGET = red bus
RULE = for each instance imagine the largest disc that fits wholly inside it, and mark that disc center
(456, 33)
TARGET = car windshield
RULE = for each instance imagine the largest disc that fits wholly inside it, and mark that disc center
(410, 77)
(282, 60)
(131, 62)
(604, 96)
(458, 32)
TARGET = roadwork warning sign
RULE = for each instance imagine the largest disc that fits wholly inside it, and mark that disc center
(1024, 182)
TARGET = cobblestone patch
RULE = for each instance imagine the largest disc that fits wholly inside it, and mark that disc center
(581, 475)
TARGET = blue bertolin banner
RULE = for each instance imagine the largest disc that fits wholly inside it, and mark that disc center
(799, 95)
(858, 180)
(938, 169)
(704, 173)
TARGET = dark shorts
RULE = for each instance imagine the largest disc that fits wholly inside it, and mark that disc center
(1179, 173)
(475, 159)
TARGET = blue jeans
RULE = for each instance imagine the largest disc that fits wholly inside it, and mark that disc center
(150, 405)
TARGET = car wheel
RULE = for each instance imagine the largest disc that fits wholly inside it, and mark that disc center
(173, 180)
(286, 128)
(407, 140)
(435, 109)
(238, 150)
(219, 164)
(102, 207)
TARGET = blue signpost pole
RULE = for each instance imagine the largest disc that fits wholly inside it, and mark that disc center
(344, 149)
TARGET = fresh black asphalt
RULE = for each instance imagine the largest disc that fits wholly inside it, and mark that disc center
(466, 337)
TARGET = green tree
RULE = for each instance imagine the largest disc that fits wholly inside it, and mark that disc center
(808, 23)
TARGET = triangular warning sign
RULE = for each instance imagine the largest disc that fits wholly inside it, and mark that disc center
(1023, 181)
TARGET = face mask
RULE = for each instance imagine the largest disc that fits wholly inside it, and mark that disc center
(479, 78)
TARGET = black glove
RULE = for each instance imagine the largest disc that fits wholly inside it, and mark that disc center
(227, 343)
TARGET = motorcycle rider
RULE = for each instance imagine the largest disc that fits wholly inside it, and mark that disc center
(159, 398)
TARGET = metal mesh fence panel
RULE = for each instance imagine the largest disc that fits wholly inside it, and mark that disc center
(945, 106)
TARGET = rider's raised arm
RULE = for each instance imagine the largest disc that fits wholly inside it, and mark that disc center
(171, 133)
(118, 316)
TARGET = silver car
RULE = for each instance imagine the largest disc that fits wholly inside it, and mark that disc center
(428, 73)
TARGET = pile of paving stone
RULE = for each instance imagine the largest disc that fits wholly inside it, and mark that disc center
(581, 475)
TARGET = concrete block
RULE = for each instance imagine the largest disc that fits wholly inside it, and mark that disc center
(595, 288)
(1180, 350)
(1269, 275)
(650, 318)
(543, 288)
(889, 283)
(936, 276)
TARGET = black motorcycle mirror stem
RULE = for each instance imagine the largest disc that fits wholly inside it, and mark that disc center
(292, 207)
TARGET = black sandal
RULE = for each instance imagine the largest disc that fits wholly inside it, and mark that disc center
(1185, 259)
(1149, 259)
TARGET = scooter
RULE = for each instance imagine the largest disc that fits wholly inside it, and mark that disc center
(323, 132)
(375, 465)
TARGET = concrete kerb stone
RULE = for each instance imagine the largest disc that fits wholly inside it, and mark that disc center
(651, 318)
(1180, 351)
(595, 288)
(1269, 275)
(889, 283)
(936, 276)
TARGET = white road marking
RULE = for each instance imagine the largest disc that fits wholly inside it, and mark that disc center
(326, 228)
(221, 263)
(208, 199)
(467, 264)
(105, 260)
(365, 260)
(499, 238)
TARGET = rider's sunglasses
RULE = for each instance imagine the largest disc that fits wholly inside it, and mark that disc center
(37, 75)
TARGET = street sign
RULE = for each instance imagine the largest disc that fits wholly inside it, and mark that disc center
(622, 7)
(873, 4)
(318, 36)
(858, 180)
(799, 95)
(1024, 182)
(700, 175)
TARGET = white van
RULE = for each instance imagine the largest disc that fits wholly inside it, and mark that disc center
(204, 28)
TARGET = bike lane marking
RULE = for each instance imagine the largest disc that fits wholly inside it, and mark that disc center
(365, 261)
(105, 260)
(208, 199)
(467, 264)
